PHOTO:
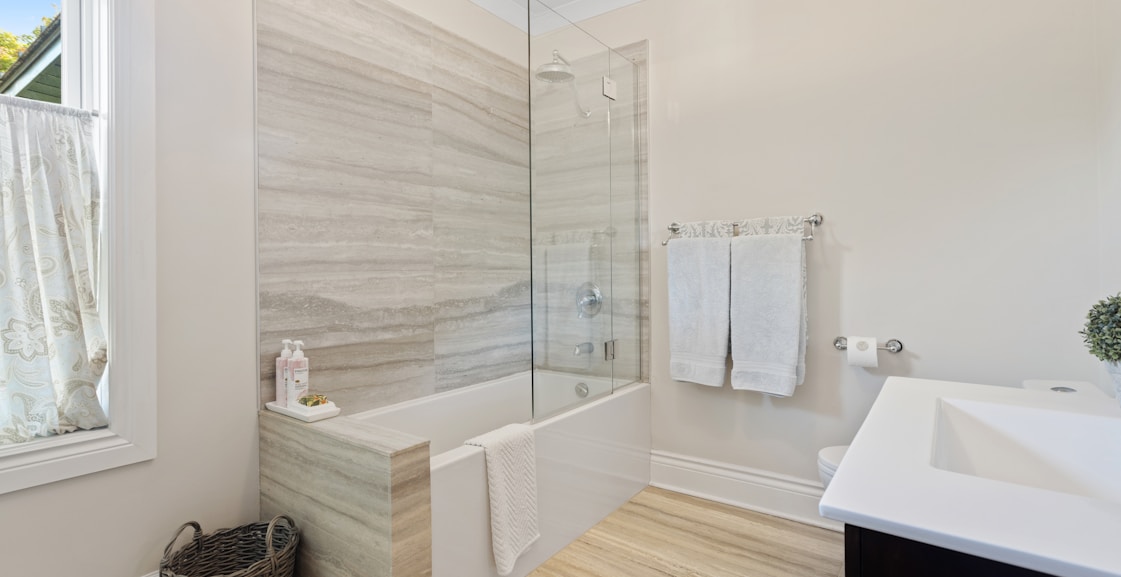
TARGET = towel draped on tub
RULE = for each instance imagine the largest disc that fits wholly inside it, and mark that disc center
(512, 484)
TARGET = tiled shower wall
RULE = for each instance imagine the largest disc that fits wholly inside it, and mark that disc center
(393, 202)
(589, 214)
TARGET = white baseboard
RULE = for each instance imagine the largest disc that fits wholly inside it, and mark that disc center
(152, 574)
(753, 489)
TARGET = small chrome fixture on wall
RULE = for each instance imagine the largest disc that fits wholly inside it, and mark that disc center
(814, 220)
(892, 346)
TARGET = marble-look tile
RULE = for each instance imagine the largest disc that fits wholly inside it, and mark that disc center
(373, 30)
(482, 326)
(358, 492)
(479, 101)
(368, 336)
(338, 493)
(589, 177)
(392, 154)
(412, 513)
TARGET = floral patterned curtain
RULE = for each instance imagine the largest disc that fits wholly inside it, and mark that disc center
(52, 345)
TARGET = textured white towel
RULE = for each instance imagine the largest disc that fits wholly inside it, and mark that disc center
(512, 482)
(768, 313)
(698, 309)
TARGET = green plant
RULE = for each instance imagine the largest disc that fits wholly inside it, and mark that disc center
(1102, 333)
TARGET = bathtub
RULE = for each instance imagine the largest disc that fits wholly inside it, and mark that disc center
(590, 460)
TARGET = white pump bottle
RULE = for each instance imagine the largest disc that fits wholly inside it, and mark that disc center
(297, 376)
(282, 373)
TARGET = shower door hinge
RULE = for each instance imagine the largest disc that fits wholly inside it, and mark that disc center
(609, 350)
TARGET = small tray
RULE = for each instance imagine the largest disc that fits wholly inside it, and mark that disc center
(305, 414)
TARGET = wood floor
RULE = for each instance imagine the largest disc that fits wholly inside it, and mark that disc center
(659, 533)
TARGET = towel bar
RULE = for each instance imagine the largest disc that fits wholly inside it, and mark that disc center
(814, 220)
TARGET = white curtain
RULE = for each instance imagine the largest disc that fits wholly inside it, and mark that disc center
(52, 345)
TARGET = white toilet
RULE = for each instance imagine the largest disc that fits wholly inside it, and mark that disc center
(827, 461)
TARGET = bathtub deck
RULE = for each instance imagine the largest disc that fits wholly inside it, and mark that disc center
(660, 533)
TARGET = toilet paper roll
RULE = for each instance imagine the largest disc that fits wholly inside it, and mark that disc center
(862, 352)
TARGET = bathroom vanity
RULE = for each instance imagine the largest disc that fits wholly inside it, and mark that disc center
(960, 479)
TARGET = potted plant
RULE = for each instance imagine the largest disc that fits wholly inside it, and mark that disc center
(1102, 335)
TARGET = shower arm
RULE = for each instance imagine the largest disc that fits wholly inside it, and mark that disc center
(572, 84)
(576, 100)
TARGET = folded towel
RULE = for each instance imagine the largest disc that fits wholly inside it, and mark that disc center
(768, 302)
(698, 309)
(512, 483)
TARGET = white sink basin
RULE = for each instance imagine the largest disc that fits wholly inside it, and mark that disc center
(1029, 478)
(1054, 450)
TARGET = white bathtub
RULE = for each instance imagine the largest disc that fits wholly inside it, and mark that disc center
(590, 460)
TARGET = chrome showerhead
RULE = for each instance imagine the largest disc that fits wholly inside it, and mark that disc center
(559, 71)
(556, 71)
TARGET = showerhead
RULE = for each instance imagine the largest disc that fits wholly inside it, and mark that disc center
(556, 71)
(559, 71)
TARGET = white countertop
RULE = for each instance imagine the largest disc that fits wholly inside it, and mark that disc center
(887, 482)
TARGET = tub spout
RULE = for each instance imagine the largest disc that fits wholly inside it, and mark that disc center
(583, 349)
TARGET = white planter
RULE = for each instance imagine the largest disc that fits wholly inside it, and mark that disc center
(1114, 370)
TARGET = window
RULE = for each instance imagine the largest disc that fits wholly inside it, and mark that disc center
(105, 52)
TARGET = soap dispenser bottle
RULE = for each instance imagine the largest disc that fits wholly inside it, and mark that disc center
(297, 376)
(282, 373)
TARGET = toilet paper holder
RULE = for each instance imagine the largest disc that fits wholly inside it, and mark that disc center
(892, 346)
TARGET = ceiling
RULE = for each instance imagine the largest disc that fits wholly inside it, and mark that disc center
(550, 15)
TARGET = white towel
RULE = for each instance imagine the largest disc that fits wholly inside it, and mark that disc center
(698, 309)
(512, 483)
(768, 313)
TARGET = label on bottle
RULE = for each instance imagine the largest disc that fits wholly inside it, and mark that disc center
(299, 385)
(282, 381)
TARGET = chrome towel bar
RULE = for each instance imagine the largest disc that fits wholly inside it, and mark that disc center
(814, 220)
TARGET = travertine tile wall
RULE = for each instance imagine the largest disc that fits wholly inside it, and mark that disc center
(589, 216)
(359, 493)
(393, 202)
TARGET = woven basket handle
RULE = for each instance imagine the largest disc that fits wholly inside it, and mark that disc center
(178, 532)
(268, 538)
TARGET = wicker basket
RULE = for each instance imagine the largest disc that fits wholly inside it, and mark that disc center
(253, 550)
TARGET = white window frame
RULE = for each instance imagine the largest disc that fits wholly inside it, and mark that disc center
(117, 81)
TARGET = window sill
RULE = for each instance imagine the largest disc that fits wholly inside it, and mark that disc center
(67, 456)
(128, 98)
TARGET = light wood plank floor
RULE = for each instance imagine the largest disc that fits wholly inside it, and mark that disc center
(660, 533)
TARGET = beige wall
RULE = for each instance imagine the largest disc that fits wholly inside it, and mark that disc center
(116, 523)
(954, 149)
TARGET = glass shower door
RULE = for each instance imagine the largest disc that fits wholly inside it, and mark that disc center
(583, 215)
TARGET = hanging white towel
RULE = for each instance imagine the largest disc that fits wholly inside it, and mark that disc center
(512, 484)
(698, 309)
(768, 313)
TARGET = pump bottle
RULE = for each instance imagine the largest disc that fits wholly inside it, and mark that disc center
(282, 373)
(297, 376)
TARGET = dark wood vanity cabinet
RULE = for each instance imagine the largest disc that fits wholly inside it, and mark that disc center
(873, 554)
